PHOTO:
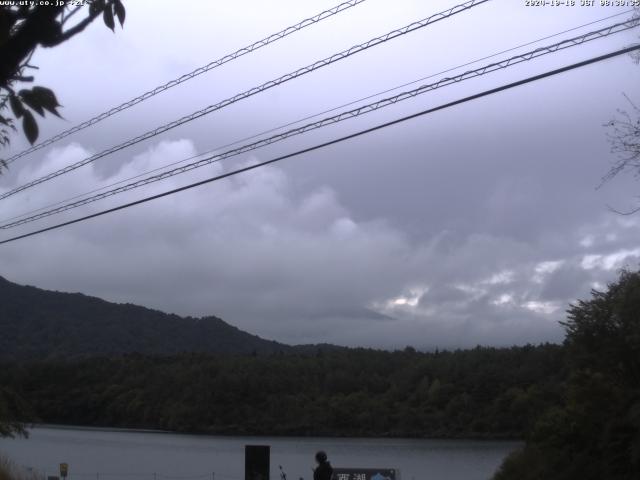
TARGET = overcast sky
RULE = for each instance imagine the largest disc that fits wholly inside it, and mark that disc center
(478, 224)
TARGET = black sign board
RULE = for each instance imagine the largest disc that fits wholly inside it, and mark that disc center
(364, 474)
(256, 462)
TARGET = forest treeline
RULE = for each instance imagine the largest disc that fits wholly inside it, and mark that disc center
(481, 393)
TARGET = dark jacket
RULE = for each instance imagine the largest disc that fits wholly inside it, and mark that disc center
(323, 472)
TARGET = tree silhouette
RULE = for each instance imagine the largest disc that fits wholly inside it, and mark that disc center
(13, 413)
(24, 28)
(595, 434)
(624, 136)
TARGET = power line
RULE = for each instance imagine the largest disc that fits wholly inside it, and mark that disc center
(309, 117)
(334, 141)
(255, 90)
(188, 76)
(514, 60)
(123, 181)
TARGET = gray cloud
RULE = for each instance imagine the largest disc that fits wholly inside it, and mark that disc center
(478, 224)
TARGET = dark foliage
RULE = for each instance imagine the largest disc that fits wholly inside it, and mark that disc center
(484, 392)
(25, 26)
(14, 411)
(595, 432)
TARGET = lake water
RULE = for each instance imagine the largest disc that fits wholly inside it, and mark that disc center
(129, 455)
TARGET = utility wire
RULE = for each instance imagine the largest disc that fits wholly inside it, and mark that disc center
(129, 178)
(515, 60)
(255, 90)
(334, 141)
(188, 76)
(309, 117)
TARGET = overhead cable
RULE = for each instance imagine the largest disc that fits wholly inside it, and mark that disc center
(253, 91)
(188, 76)
(385, 102)
(332, 142)
(308, 117)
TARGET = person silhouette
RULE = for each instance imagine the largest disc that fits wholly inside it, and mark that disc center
(324, 470)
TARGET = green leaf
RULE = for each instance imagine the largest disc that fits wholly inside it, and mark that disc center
(30, 127)
(107, 15)
(48, 95)
(118, 7)
(47, 99)
(16, 106)
(32, 101)
(96, 7)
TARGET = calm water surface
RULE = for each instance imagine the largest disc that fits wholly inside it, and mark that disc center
(130, 455)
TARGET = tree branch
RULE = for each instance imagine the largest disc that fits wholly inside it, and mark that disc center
(79, 27)
(71, 14)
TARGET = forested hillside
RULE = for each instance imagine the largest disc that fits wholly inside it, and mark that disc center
(484, 392)
(39, 324)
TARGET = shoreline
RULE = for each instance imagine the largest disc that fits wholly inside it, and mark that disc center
(89, 428)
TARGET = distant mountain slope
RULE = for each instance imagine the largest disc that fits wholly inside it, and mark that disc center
(39, 324)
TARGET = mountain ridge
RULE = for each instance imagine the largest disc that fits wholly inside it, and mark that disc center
(41, 324)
